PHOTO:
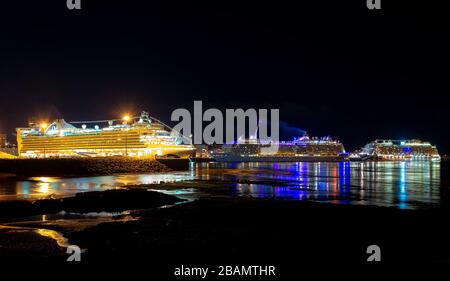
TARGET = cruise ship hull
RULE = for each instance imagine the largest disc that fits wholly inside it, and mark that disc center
(395, 150)
(299, 150)
(141, 139)
(235, 158)
(390, 159)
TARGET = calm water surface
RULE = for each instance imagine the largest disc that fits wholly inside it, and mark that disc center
(394, 184)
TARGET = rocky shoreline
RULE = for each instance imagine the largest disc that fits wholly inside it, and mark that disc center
(80, 166)
(224, 230)
(95, 201)
(269, 231)
(35, 239)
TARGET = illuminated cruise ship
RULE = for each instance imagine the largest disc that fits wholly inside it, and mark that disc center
(301, 149)
(143, 137)
(397, 150)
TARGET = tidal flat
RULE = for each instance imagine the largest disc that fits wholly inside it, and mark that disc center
(232, 230)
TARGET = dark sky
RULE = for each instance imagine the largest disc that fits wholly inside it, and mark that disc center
(331, 67)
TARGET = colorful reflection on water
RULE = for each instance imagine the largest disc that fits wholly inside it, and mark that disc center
(394, 184)
(44, 187)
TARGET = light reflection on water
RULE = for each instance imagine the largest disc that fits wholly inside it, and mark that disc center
(42, 187)
(397, 184)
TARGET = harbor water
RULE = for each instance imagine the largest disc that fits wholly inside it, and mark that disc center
(405, 185)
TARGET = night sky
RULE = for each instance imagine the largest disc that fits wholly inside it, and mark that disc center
(331, 67)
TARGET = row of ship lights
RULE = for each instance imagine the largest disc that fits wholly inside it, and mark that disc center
(125, 119)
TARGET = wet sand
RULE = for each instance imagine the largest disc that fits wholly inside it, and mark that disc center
(250, 231)
(30, 246)
(258, 230)
(25, 238)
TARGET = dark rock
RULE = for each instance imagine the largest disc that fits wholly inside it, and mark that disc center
(97, 201)
(80, 166)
